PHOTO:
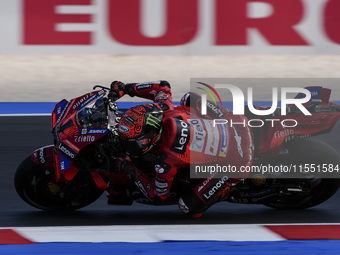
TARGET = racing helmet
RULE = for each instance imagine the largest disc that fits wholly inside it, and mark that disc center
(139, 128)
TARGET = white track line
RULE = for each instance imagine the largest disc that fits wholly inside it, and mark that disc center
(149, 233)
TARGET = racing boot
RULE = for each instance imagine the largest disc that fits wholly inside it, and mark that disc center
(210, 191)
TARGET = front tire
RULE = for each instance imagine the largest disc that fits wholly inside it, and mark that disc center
(32, 185)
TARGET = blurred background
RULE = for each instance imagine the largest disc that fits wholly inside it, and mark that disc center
(55, 49)
(58, 49)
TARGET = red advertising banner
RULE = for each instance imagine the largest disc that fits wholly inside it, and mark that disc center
(193, 27)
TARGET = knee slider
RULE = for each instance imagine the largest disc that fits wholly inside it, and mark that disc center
(190, 204)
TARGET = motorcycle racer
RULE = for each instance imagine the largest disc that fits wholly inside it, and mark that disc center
(173, 139)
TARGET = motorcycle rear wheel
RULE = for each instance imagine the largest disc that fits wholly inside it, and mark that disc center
(32, 185)
(309, 151)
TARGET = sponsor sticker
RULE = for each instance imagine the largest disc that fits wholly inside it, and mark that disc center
(93, 131)
(182, 137)
(64, 163)
(123, 128)
(79, 101)
(204, 184)
(141, 187)
(84, 138)
(199, 135)
(213, 188)
(161, 97)
(224, 140)
(161, 185)
(159, 169)
(293, 137)
(61, 115)
(211, 147)
(86, 99)
(42, 156)
(66, 150)
(153, 121)
(216, 111)
(72, 146)
(60, 107)
(161, 192)
(143, 86)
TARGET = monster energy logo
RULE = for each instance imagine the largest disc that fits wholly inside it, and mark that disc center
(153, 121)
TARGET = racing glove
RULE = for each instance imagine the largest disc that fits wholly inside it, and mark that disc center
(126, 167)
(117, 90)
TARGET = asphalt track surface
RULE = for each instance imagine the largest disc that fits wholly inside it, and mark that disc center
(21, 135)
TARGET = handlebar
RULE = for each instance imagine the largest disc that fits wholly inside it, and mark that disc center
(100, 86)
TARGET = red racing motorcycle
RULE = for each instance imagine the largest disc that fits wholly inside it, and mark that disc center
(76, 170)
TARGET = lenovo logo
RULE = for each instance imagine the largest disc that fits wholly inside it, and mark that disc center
(182, 137)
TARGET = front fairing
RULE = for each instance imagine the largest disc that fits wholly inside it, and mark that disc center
(76, 124)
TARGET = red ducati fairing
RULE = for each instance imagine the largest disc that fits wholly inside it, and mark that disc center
(75, 125)
(274, 134)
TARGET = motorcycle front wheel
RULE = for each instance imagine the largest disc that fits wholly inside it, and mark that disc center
(33, 184)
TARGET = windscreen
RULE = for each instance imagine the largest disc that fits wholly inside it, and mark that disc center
(93, 115)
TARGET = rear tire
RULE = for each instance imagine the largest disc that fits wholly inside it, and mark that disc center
(309, 151)
(31, 183)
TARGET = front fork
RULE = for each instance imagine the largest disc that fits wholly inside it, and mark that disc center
(45, 157)
(48, 158)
